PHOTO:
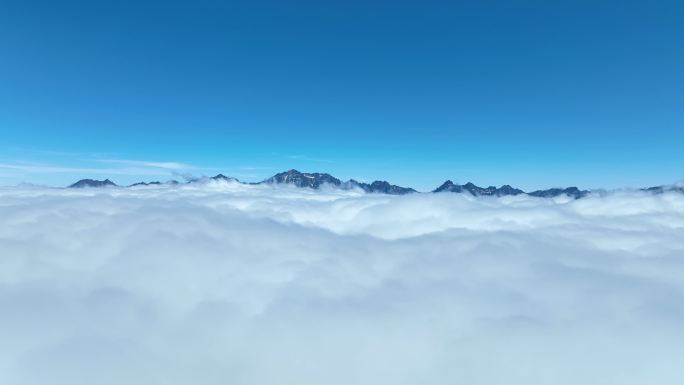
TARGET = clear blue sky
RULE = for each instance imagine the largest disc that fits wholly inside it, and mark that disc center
(530, 93)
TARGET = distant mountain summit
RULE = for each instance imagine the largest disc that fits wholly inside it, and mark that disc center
(379, 186)
(663, 189)
(302, 179)
(223, 178)
(384, 187)
(474, 190)
(316, 180)
(93, 183)
(573, 192)
(155, 183)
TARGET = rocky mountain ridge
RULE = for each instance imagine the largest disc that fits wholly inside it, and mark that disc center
(318, 180)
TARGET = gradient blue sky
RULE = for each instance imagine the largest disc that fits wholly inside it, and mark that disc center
(530, 93)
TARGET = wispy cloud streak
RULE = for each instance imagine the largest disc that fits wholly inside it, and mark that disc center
(150, 164)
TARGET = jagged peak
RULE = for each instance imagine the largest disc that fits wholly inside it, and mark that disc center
(223, 177)
(93, 183)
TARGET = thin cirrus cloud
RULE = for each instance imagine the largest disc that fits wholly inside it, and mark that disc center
(221, 283)
(87, 166)
(54, 168)
(156, 165)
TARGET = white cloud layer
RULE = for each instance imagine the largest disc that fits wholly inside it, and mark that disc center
(237, 284)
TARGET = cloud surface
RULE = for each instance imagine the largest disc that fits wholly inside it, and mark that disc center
(223, 283)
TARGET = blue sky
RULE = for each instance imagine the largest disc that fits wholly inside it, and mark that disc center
(529, 93)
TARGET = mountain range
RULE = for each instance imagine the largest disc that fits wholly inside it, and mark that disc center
(317, 180)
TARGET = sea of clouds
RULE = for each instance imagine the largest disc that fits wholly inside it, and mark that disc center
(222, 283)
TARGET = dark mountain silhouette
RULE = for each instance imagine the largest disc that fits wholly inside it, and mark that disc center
(302, 179)
(554, 192)
(474, 190)
(381, 187)
(221, 177)
(155, 183)
(664, 189)
(93, 183)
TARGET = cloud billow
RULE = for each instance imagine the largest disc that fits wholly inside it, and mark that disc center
(225, 283)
